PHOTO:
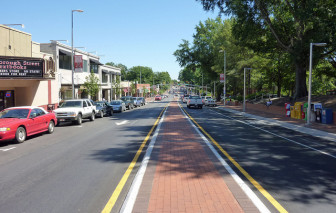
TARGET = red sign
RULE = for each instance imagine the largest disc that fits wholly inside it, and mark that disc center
(78, 63)
(221, 78)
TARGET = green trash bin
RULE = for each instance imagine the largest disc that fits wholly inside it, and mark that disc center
(305, 108)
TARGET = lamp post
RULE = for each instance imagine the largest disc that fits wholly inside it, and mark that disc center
(224, 88)
(310, 77)
(72, 52)
(244, 106)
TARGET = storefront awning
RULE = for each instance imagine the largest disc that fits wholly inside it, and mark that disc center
(94, 61)
(64, 52)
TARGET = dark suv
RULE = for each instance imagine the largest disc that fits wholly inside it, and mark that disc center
(129, 102)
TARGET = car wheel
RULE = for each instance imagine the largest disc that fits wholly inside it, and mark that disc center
(92, 116)
(20, 135)
(51, 127)
(79, 119)
(111, 112)
(101, 114)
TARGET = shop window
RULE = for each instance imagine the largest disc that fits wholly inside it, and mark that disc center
(68, 94)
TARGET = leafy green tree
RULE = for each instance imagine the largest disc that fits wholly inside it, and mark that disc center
(289, 26)
(117, 86)
(92, 85)
(123, 69)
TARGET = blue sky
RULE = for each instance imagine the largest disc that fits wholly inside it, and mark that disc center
(130, 32)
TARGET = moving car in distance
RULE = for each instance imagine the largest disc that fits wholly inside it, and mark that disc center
(128, 101)
(158, 98)
(75, 111)
(103, 109)
(16, 123)
(195, 101)
(210, 102)
(185, 99)
(118, 106)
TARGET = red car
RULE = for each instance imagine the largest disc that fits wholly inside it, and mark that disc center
(17, 123)
(158, 98)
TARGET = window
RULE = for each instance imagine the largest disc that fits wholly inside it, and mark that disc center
(33, 113)
(39, 112)
(85, 65)
(64, 61)
(104, 77)
(93, 68)
(84, 104)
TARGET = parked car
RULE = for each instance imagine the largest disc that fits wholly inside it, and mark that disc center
(210, 102)
(195, 101)
(137, 101)
(128, 101)
(75, 110)
(143, 101)
(103, 109)
(16, 123)
(118, 106)
(158, 98)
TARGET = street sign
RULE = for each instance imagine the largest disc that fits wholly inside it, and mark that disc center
(221, 78)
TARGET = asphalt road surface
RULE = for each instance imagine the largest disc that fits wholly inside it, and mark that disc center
(75, 169)
(298, 170)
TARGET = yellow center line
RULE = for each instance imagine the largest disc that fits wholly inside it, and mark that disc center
(269, 197)
(108, 207)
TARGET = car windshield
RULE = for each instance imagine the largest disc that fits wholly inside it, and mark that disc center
(71, 104)
(115, 102)
(14, 113)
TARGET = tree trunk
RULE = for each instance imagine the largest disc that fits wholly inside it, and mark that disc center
(300, 81)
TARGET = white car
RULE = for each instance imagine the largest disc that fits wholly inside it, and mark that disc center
(137, 101)
(210, 102)
(75, 110)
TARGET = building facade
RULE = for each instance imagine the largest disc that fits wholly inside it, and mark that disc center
(27, 77)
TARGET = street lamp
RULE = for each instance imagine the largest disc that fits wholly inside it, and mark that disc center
(224, 88)
(310, 77)
(72, 52)
(244, 88)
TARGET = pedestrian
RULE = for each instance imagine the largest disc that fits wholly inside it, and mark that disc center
(268, 103)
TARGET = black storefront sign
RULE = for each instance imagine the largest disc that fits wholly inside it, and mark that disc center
(21, 68)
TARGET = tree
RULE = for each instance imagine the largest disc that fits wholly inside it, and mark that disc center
(289, 26)
(117, 86)
(123, 69)
(92, 85)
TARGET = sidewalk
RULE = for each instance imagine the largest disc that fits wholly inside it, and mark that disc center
(183, 175)
(276, 114)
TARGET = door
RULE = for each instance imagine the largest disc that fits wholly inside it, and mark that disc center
(36, 121)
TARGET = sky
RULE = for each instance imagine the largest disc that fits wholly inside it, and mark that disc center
(131, 32)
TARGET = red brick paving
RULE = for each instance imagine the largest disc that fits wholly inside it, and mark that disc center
(185, 179)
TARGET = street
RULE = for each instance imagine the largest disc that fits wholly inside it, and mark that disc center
(77, 168)
(298, 170)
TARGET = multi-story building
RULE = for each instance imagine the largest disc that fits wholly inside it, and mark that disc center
(27, 76)
(107, 75)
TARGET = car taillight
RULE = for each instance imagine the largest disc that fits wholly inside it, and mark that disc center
(189, 101)
(202, 101)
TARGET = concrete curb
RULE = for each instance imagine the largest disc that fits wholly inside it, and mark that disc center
(302, 129)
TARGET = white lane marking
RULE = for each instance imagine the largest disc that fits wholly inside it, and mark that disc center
(248, 191)
(5, 150)
(134, 190)
(301, 144)
(122, 123)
